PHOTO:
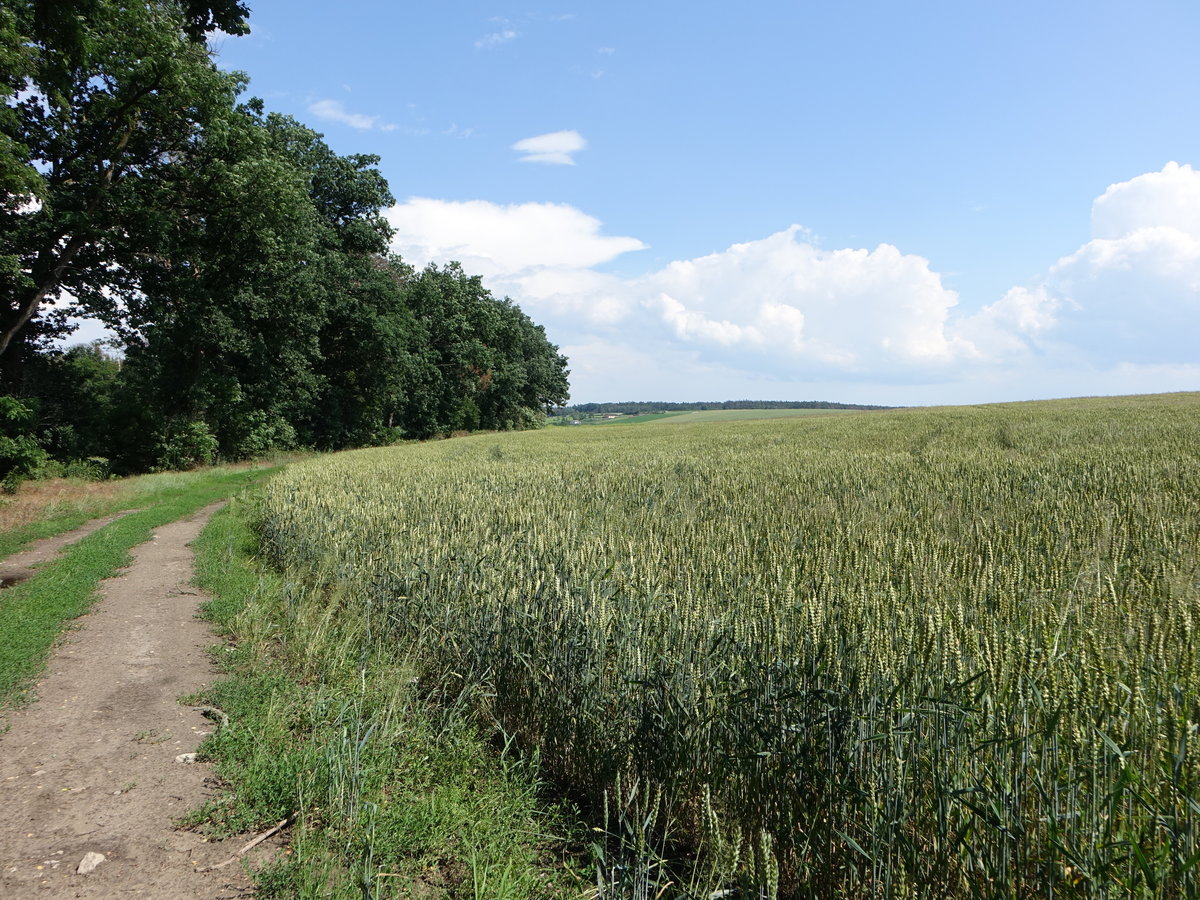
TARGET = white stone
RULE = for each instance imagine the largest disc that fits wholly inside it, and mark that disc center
(88, 864)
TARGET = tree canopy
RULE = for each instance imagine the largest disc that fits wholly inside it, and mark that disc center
(243, 263)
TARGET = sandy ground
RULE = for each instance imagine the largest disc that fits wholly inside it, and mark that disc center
(90, 767)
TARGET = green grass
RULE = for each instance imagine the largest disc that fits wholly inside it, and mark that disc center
(741, 415)
(34, 612)
(62, 517)
(634, 420)
(708, 415)
(394, 795)
(601, 419)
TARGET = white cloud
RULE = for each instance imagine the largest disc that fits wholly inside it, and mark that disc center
(781, 317)
(1131, 295)
(693, 325)
(335, 111)
(496, 38)
(1134, 298)
(493, 239)
(784, 306)
(1170, 199)
(553, 149)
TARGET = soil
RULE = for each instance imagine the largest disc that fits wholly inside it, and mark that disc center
(90, 767)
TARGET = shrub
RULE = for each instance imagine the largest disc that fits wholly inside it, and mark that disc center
(186, 445)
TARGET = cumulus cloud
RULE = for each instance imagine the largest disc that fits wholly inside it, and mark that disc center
(1130, 295)
(495, 239)
(1119, 314)
(796, 306)
(779, 303)
(1166, 199)
(335, 111)
(555, 148)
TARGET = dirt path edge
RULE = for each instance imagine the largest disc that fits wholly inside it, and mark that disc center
(91, 767)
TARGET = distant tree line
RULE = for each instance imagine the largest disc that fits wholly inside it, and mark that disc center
(243, 264)
(647, 407)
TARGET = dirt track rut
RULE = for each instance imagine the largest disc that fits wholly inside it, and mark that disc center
(91, 765)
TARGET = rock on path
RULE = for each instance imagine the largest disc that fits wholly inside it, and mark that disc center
(90, 766)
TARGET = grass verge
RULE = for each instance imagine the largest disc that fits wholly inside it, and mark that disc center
(42, 509)
(393, 795)
(34, 612)
(48, 507)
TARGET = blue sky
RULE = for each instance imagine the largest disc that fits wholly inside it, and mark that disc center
(905, 203)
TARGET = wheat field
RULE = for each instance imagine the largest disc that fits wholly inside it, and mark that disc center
(918, 653)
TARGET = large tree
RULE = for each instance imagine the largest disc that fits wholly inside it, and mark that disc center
(244, 264)
(104, 98)
(267, 307)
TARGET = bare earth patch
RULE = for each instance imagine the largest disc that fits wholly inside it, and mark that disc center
(90, 768)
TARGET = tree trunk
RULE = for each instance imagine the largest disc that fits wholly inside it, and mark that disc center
(51, 282)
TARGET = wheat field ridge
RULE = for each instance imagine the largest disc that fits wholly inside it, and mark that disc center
(947, 653)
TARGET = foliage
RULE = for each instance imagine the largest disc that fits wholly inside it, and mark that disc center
(21, 456)
(923, 653)
(76, 393)
(243, 264)
(107, 99)
(186, 445)
(482, 364)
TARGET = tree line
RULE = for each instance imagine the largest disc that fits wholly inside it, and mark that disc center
(243, 265)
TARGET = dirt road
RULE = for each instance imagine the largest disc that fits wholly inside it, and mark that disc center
(91, 767)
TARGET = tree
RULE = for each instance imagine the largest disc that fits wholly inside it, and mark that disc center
(481, 362)
(368, 361)
(221, 322)
(266, 309)
(243, 263)
(104, 99)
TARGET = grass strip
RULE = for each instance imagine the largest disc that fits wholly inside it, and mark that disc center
(34, 612)
(61, 518)
(394, 795)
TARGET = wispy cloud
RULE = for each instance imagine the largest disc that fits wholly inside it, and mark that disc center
(554, 149)
(496, 38)
(335, 111)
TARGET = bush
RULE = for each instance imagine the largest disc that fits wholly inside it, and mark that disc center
(94, 468)
(185, 445)
(264, 433)
(21, 455)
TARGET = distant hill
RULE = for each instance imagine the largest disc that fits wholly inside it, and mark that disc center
(647, 407)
